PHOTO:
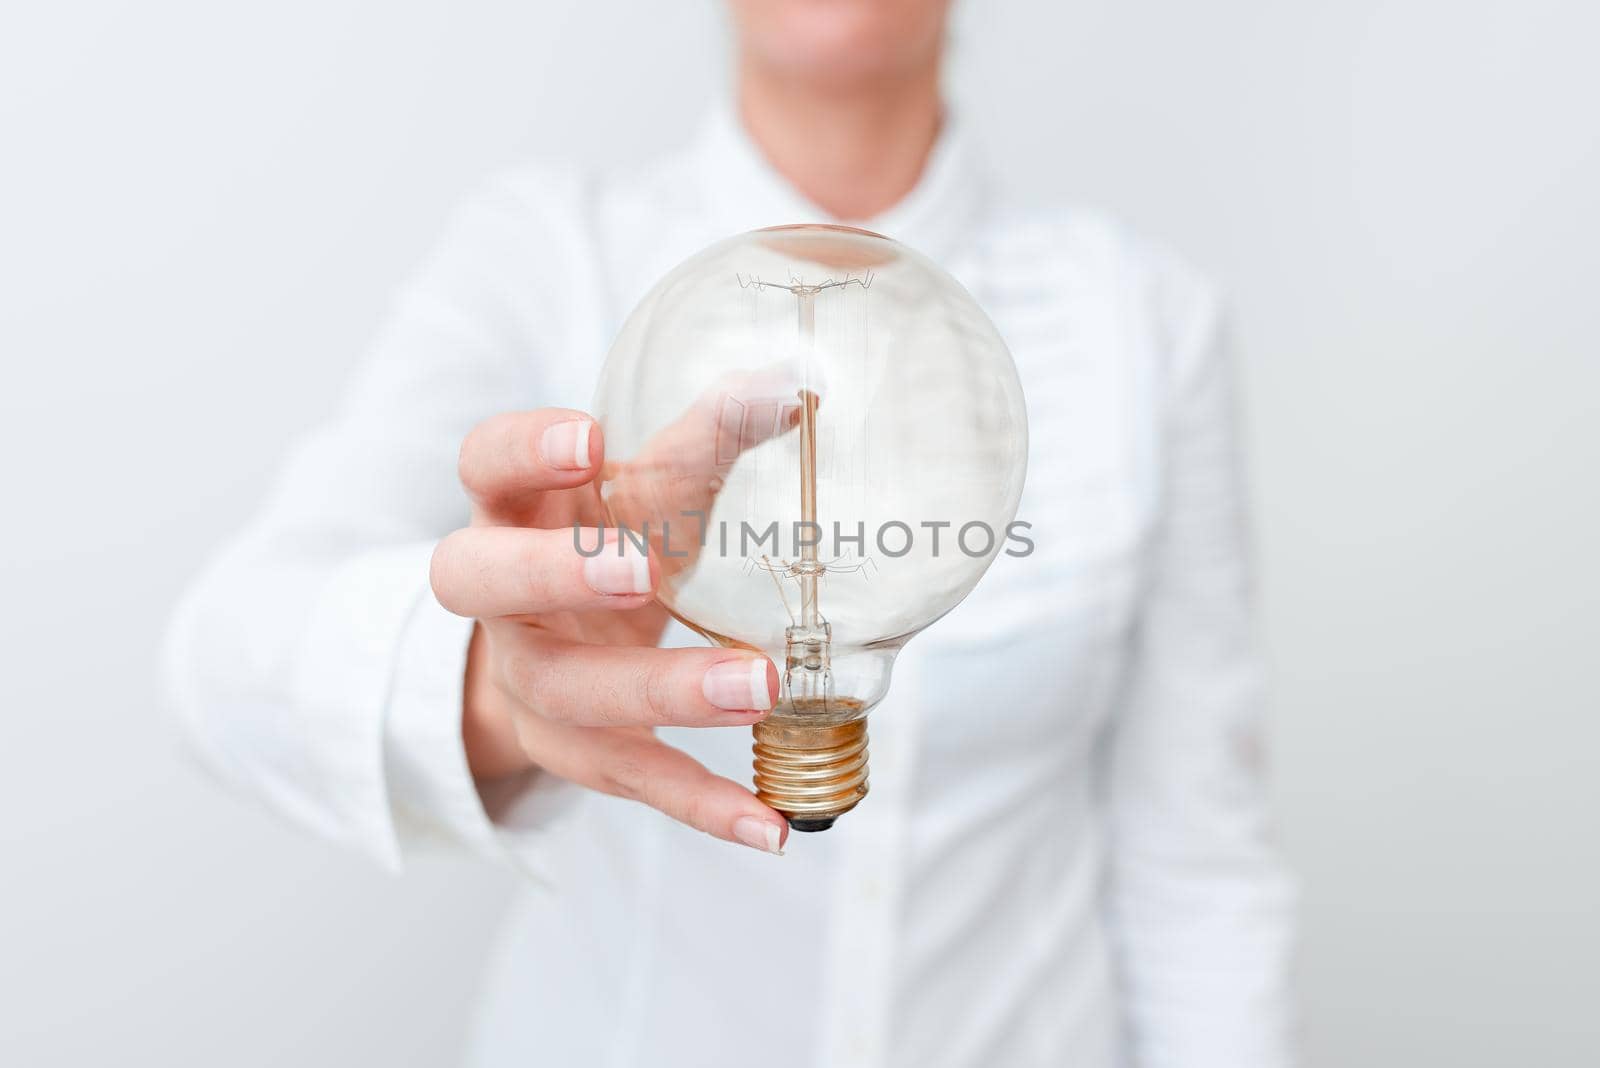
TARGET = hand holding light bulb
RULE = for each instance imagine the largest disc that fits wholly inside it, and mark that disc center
(563, 673)
(714, 402)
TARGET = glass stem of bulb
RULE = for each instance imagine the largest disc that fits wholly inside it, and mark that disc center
(809, 639)
(808, 464)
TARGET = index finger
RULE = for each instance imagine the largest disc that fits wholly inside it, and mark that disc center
(680, 470)
(508, 458)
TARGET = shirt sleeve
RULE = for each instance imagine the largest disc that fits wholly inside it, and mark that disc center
(1200, 908)
(309, 664)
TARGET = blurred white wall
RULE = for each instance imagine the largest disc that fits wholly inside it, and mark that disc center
(203, 208)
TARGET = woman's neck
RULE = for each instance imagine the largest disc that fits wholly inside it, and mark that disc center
(854, 151)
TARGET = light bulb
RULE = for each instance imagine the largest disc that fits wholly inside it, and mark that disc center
(822, 438)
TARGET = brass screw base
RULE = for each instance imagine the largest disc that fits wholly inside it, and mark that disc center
(813, 773)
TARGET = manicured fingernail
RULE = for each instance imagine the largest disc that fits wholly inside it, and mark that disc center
(621, 567)
(566, 445)
(740, 684)
(759, 834)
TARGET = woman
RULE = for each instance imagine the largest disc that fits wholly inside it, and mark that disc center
(1064, 859)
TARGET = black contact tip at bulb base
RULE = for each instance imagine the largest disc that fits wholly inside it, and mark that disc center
(810, 824)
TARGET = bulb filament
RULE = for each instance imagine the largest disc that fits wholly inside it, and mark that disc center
(807, 678)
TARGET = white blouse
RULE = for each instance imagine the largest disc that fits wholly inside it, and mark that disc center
(1065, 858)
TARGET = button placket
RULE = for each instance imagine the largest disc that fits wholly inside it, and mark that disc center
(865, 896)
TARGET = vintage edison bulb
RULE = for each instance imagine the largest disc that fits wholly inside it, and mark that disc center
(823, 438)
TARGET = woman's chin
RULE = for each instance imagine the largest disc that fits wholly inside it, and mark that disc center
(841, 42)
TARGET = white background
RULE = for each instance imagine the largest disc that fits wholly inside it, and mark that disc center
(203, 208)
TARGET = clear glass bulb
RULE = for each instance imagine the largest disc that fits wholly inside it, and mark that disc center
(822, 436)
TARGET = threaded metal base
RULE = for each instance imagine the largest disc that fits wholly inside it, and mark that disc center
(811, 772)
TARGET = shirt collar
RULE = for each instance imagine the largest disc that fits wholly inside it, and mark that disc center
(744, 192)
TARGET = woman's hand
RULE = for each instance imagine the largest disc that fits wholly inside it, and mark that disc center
(563, 673)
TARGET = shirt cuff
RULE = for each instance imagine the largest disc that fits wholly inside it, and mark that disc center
(434, 796)
(319, 755)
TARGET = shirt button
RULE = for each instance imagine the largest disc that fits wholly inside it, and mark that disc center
(857, 1044)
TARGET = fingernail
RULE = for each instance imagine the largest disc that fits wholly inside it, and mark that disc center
(759, 834)
(739, 684)
(566, 445)
(621, 567)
